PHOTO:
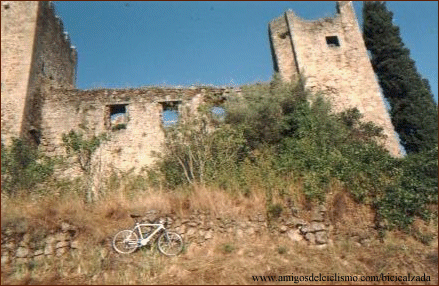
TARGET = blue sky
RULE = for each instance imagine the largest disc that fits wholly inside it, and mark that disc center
(133, 44)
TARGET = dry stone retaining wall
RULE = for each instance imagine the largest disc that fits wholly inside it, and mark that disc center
(200, 228)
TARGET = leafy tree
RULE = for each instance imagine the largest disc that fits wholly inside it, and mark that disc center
(264, 112)
(413, 110)
(340, 146)
(198, 152)
(83, 149)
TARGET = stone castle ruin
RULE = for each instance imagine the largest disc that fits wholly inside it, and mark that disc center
(330, 53)
(40, 103)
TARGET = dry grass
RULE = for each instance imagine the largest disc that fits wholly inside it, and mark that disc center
(348, 217)
(226, 259)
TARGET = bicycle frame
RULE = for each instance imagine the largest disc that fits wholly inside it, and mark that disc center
(168, 243)
(144, 241)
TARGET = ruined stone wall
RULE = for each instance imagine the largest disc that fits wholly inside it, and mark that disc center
(54, 65)
(55, 57)
(18, 24)
(36, 54)
(197, 228)
(339, 67)
(131, 146)
(282, 49)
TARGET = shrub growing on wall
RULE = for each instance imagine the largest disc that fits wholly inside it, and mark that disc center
(82, 148)
(196, 152)
(272, 135)
(23, 167)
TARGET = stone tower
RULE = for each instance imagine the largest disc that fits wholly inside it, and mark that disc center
(330, 53)
(35, 54)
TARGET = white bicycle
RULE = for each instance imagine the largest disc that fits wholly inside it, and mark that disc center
(127, 241)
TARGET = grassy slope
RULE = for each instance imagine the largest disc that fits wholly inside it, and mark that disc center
(223, 260)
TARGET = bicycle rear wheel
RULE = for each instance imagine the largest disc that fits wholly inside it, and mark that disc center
(125, 241)
(170, 243)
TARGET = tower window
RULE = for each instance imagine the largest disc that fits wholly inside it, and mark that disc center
(332, 41)
(284, 35)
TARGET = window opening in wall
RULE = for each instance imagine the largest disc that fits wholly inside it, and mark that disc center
(332, 41)
(284, 35)
(170, 113)
(118, 116)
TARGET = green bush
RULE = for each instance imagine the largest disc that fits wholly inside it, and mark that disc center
(23, 167)
(196, 152)
(82, 148)
(326, 145)
(119, 126)
(274, 211)
(273, 136)
(263, 112)
(227, 247)
(282, 249)
(414, 189)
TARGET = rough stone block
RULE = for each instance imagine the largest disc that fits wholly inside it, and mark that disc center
(321, 237)
(191, 232)
(316, 226)
(208, 235)
(5, 259)
(61, 236)
(317, 216)
(49, 250)
(10, 246)
(65, 226)
(296, 222)
(74, 244)
(295, 235)
(62, 244)
(250, 231)
(22, 252)
(310, 237)
(38, 252)
(50, 239)
(61, 251)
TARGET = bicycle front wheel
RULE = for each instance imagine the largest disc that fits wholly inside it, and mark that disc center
(125, 241)
(170, 243)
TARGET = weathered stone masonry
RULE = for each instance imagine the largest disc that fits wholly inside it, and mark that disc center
(36, 53)
(330, 53)
(64, 110)
(40, 102)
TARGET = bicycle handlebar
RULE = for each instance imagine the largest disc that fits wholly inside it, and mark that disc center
(163, 221)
